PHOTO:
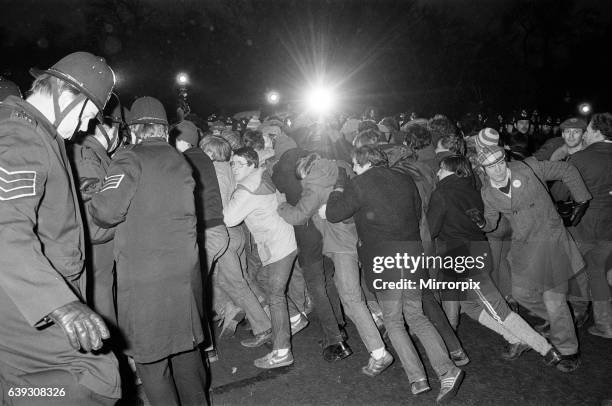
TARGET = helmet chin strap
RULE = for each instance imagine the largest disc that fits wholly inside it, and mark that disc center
(60, 115)
(110, 141)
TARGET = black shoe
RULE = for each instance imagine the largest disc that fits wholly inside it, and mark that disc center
(569, 363)
(514, 351)
(336, 352)
(552, 357)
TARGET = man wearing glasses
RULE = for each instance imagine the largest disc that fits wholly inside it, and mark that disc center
(254, 202)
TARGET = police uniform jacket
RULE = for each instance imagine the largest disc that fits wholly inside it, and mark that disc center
(91, 161)
(41, 248)
(148, 195)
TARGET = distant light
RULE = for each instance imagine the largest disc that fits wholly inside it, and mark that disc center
(585, 109)
(321, 100)
(273, 97)
(182, 79)
(118, 78)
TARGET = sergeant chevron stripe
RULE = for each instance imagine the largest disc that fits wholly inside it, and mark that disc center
(16, 184)
(112, 182)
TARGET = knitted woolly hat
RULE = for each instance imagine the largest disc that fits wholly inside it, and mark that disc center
(490, 155)
(487, 137)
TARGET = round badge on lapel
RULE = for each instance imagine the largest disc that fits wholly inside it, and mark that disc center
(516, 183)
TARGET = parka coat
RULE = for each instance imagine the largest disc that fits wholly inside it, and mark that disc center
(338, 238)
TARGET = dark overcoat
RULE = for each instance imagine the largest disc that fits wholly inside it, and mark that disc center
(148, 195)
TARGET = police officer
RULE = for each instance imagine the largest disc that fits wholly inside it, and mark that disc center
(148, 194)
(8, 88)
(91, 159)
(44, 322)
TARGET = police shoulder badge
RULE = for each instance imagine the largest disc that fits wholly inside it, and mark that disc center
(16, 184)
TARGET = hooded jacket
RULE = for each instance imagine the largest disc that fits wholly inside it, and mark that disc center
(227, 183)
(307, 236)
(316, 187)
(255, 202)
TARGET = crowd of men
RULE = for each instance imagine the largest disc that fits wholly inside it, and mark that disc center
(124, 237)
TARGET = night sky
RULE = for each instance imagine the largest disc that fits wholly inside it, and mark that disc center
(413, 55)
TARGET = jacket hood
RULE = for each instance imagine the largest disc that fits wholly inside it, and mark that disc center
(395, 152)
(259, 183)
(323, 173)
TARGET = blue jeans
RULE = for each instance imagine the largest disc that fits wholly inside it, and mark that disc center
(348, 283)
(435, 314)
(318, 284)
(274, 279)
(397, 305)
(231, 279)
(215, 244)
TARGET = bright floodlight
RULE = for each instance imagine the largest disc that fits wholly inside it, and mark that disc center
(182, 79)
(321, 100)
(585, 108)
(273, 97)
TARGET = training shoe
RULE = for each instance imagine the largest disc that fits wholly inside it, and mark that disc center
(552, 357)
(420, 387)
(449, 385)
(514, 351)
(376, 367)
(258, 340)
(336, 352)
(460, 358)
(569, 363)
(299, 325)
(273, 360)
(597, 330)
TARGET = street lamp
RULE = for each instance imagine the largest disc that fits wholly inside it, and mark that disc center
(273, 97)
(182, 79)
(585, 109)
